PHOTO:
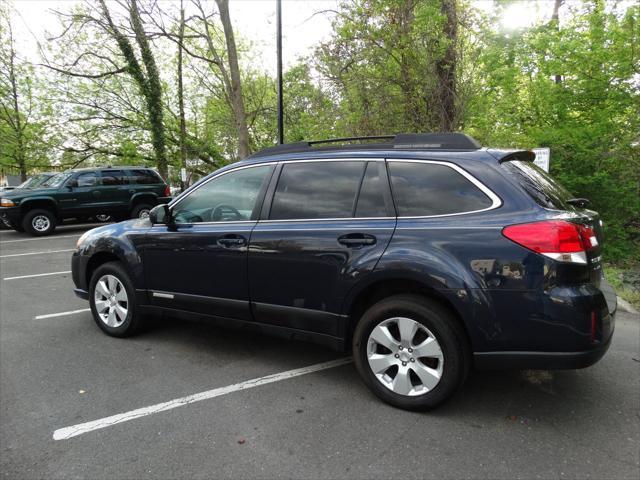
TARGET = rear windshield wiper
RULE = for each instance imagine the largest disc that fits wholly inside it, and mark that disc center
(578, 202)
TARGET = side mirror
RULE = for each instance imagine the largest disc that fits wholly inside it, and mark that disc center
(71, 184)
(160, 214)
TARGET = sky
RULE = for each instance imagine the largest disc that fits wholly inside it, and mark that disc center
(303, 26)
(305, 23)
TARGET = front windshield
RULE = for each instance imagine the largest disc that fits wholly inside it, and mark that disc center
(35, 181)
(57, 180)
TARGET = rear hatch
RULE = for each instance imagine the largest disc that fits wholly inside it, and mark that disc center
(551, 195)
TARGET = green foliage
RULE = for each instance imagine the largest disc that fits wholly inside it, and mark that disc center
(380, 72)
(590, 120)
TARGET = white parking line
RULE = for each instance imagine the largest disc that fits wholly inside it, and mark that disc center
(61, 314)
(36, 275)
(37, 253)
(75, 430)
(40, 238)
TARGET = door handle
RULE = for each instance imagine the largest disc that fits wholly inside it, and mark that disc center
(232, 241)
(354, 240)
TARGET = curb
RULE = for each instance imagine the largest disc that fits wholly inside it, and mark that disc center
(626, 306)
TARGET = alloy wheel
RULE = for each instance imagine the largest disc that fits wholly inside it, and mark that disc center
(405, 356)
(111, 301)
(40, 223)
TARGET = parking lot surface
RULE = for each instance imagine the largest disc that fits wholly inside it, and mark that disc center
(263, 414)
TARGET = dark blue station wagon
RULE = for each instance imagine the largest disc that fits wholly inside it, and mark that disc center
(424, 254)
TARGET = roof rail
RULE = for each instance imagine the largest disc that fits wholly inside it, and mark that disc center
(426, 141)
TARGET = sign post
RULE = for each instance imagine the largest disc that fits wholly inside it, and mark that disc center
(543, 156)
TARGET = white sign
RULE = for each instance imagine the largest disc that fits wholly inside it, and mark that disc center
(183, 174)
(543, 156)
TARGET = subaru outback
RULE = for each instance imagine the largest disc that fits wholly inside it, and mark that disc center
(120, 192)
(424, 255)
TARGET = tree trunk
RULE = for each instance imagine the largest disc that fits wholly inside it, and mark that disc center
(183, 126)
(446, 68)
(154, 90)
(237, 99)
(555, 20)
(16, 124)
(149, 84)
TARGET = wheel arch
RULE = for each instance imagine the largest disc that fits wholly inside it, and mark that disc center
(143, 197)
(99, 258)
(383, 288)
(46, 203)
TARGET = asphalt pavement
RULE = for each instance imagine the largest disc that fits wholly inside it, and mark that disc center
(273, 408)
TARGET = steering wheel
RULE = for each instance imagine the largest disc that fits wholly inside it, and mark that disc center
(219, 211)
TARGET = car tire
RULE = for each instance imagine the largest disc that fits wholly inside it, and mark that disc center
(389, 338)
(113, 302)
(39, 222)
(141, 210)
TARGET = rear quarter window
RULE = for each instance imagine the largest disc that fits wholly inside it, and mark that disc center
(144, 176)
(539, 185)
(427, 189)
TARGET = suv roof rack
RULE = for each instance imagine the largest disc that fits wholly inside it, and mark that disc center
(422, 141)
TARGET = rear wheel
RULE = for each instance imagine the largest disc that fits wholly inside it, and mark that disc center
(410, 352)
(141, 210)
(39, 222)
(113, 301)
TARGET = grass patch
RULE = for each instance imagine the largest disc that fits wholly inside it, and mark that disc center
(614, 276)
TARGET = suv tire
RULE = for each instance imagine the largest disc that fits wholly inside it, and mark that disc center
(411, 325)
(113, 301)
(141, 209)
(39, 222)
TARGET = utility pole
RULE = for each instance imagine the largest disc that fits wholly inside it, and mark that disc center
(279, 51)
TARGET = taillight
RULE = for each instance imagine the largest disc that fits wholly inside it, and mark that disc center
(167, 191)
(563, 241)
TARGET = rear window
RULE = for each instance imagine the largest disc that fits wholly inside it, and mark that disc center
(539, 185)
(144, 176)
(312, 190)
(425, 189)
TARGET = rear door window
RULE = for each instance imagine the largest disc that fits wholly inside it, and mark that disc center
(316, 190)
(427, 189)
(539, 185)
(87, 179)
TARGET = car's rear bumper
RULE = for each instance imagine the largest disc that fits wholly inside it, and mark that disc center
(539, 360)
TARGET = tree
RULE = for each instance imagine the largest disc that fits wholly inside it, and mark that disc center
(23, 134)
(143, 72)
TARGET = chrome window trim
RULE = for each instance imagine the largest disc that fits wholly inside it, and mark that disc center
(325, 219)
(243, 167)
(495, 200)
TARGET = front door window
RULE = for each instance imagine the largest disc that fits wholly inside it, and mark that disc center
(229, 197)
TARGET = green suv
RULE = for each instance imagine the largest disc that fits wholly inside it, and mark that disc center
(121, 192)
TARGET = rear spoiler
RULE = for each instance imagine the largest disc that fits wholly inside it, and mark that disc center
(522, 155)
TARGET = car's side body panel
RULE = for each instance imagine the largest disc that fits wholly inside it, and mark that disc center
(294, 278)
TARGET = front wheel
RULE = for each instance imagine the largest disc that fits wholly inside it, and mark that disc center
(39, 222)
(113, 301)
(141, 210)
(410, 352)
